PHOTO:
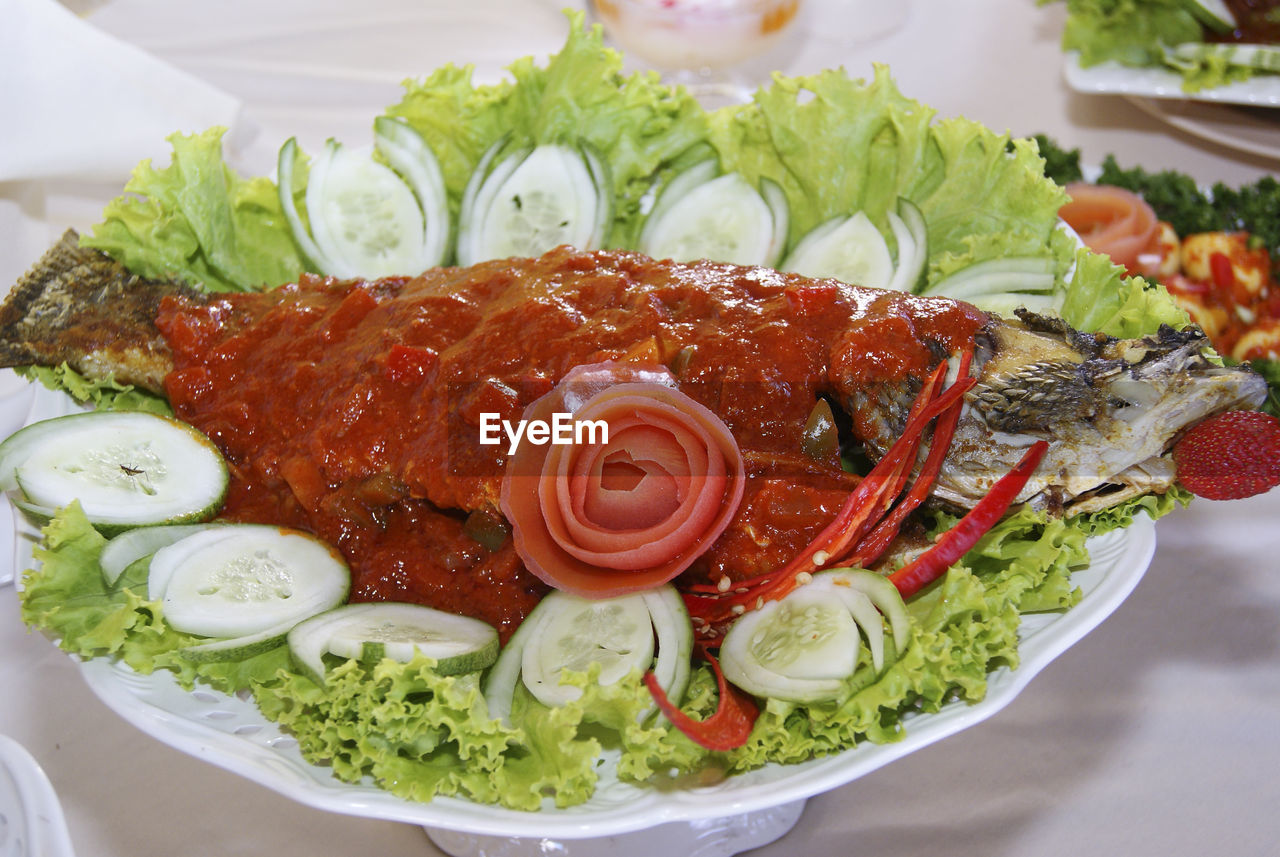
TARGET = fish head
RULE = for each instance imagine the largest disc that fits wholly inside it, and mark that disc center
(1110, 409)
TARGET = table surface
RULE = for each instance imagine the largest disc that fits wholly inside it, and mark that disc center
(1158, 734)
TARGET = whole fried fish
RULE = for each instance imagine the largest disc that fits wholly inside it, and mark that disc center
(342, 399)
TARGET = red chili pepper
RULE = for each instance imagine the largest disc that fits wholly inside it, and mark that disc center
(727, 729)
(879, 539)
(1224, 278)
(957, 541)
(712, 608)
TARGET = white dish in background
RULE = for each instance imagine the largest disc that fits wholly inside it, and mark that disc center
(1111, 78)
(31, 820)
(1243, 128)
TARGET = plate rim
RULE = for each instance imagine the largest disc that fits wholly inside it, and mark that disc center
(1180, 115)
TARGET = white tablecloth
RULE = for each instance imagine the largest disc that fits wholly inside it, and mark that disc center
(1159, 734)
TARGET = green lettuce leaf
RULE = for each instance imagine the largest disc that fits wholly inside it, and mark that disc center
(837, 145)
(1130, 32)
(1101, 298)
(105, 395)
(636, 124)
(198, 221)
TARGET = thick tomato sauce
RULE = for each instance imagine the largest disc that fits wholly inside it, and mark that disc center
(352, 409)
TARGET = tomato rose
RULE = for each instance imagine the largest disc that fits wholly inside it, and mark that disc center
(1111, 220)
(601, 518)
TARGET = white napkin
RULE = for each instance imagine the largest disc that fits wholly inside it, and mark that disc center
(77, 103)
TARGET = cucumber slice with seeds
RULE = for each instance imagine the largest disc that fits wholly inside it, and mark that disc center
(576, 633)
(126, 468)
(700, 215)
(240, 580)
(534, 199)
(801, 648)
(804, 647)
(567, 632)
(363, 217)
(848, 249)
(883, 594)
(129, 547)
(376, 630)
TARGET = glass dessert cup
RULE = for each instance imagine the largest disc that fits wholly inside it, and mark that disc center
(709, 46)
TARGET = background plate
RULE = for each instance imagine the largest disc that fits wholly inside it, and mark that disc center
(1244, 128)
(1114, 79)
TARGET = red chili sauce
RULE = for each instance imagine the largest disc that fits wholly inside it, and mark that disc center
(352, 409)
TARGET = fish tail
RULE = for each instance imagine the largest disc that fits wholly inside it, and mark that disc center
(78, 306)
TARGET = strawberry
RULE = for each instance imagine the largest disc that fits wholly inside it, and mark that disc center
(1230, 456)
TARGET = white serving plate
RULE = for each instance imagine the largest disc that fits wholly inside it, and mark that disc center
(1111, 78)
(31, 819)
(735, 814)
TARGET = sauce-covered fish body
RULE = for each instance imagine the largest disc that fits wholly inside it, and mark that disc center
(356, 409)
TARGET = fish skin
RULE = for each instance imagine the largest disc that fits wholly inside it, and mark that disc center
(1109, 407)
(80, 307)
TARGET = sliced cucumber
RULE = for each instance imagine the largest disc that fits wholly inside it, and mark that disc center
(411, 156)
(674, 630)
(566, 632)
(883, 594)
(376, 630)
(1021, 274)
(468, 219)
(363, 216)
(132, 545)
(240, 580)
(237, 648)
(1004, 304)
(776, 199)
(365, 221)
(308, 642)
(125, 468)
(801, 648)
(534, 200)
(285, 161)
(1214, 14)
(501, 682)
(575, 633)
(1191, 54)
(849, 249)
(700, 215)
(371, 632)
(804, 647)
(677, 188)
(912, 234)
